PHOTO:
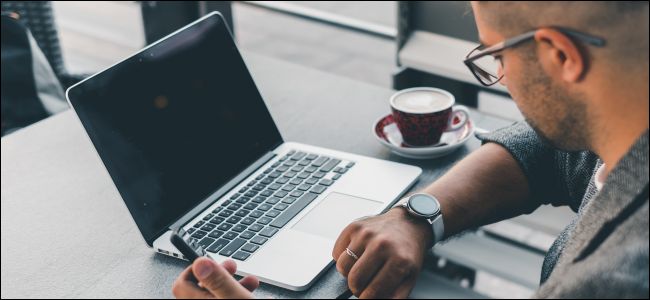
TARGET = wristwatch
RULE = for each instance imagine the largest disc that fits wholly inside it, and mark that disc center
(427, 207)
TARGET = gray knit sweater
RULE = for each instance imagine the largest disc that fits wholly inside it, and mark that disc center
(567, 178)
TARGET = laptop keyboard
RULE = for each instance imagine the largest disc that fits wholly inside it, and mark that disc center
(252, 216)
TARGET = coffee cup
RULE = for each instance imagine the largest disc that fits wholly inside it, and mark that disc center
(423, 114)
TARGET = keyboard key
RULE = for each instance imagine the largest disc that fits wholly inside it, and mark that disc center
(281, 206)
(224, 227)
(255, 227)
(217, 220)
(250, 206)
(272, 213)
(276, 164)
(297, 168)
(289, 163)
(248, 221)
(232, 247)
(266, 193)
(258, 199)
(283, 168)
(226, 213)
(311, 156)
(299, 156)
(296, 194)
(259, 240)
(242, 213)
(241, 255)
(191, 230)
(304, 163)
(256, 214)
(259, 177)
(320, 161)
(268, 232)
(311, 180)
(208, 217)
(233, 220)
(267, 181)
(252, 183)
(250, 247)
(303, 175)
(269, 170)
(264, 207)
(289, 200)
(304, 187)
(296, 181)
(206, 242)
(235, 196)
(230, 235)
(330, 165)
(264, 220)
(340, 170)
(311, 169)
(250, 194)
(217, 210)
(337, 176)
(243, 190)
(319, 175)
(275, 175)
(288, 187)
(199, 234)
(218, 245)
(273, 200)
(281, 194)
(274, 187)
(234, 206)
(247, 235)
(293, 210)
(290, 174)
(282, 180)
(259, 187)
(350, 165)
(198, 224)
(242, 200)
(326, 182)
(215, 234)
(239, 228)
(318, 189)
(208, 227)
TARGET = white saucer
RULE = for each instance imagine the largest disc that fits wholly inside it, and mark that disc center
(386, 132)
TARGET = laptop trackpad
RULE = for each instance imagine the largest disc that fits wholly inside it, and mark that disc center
(335, 212)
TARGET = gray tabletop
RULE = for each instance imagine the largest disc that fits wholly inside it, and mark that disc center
(66, 232)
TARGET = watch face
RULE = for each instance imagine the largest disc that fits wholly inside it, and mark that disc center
(424, 205)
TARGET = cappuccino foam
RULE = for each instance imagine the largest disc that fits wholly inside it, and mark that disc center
(422, 101)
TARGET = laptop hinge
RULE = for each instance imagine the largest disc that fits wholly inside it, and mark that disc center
(223, 190)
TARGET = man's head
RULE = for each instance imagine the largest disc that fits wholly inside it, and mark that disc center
(559, 83)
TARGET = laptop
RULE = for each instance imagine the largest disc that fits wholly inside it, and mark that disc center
(189, 144)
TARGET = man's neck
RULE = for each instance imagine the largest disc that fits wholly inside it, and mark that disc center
(621, 122)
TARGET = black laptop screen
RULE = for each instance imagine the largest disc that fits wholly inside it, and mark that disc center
(175, 122)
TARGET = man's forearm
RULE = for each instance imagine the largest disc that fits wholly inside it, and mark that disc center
(486, 186)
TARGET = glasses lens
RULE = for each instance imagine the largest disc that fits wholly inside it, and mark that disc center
(487, 69)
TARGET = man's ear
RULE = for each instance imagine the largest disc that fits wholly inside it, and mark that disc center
(561, 54)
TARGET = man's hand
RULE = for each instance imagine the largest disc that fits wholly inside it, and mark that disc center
(390, 248)
(214, 281)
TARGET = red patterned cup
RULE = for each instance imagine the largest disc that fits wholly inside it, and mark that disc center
(423, 114)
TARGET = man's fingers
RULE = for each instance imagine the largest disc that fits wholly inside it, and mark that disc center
(216, 279)
(364, 270)
(345, 261)
(185, 286)
(251, 283)
(230, 265)
(404, 290)
(385, 283)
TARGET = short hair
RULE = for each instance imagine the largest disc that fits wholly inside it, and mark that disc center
(623, 24)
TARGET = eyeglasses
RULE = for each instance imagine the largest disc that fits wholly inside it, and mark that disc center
(482, 62)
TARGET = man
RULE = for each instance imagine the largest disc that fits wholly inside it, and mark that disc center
(578, 72)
